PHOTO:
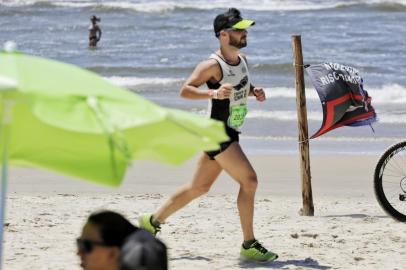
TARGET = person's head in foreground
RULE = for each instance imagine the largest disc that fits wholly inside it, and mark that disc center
(231, 29)
(142, 251)
(102, 237)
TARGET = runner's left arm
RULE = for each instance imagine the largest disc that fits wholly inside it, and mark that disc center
(251, 93)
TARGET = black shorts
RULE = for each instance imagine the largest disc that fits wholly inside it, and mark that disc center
(234, 137)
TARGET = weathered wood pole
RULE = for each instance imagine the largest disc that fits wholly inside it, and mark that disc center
(308, 208)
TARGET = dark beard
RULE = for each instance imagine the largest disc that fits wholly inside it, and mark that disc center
(237, 43)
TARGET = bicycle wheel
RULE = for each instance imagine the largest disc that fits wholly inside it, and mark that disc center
(390, 181)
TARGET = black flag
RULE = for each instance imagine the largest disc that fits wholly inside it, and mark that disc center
(343, 98)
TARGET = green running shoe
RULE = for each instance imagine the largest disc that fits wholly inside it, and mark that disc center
(256, 252)
(145, 222)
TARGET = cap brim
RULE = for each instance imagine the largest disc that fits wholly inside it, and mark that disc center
(244, 24)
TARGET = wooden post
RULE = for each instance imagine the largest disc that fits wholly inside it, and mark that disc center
(308, 208)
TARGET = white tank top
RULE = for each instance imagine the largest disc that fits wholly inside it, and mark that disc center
(231, 111)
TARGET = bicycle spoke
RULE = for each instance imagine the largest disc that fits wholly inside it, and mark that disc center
(399, 206)
(395, 169)
(394, 161)
(391, 182)
(392, 197)
(403, 157)
(393, 175)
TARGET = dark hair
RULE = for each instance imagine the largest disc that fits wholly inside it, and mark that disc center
(142, 251)
(226, 20)
(94, 18)
(114, 228)
(234, 12)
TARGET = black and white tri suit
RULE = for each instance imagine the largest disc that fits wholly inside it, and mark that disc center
(230, 111)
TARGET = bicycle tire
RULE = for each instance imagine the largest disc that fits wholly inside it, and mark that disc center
(383, 161)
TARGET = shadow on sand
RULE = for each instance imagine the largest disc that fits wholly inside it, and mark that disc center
(356, 216)
(191, 258)
(307, 263)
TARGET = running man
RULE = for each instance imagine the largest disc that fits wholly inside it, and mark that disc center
(226, 75)
(94, 32)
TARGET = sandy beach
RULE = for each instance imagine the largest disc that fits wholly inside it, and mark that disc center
(151, 48)
(45, 213)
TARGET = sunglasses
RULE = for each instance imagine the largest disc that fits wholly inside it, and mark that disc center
(87, 246)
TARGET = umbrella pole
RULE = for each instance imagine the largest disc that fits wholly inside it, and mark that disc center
(4, 135)
(3, 201)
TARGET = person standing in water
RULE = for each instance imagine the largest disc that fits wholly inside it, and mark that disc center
(95, 32)
(226, 75)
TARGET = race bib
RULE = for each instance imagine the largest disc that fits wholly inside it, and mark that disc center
(237, 115)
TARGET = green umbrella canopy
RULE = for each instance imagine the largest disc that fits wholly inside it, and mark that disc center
(73, 121)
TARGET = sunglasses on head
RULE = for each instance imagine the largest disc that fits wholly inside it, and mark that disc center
(87, 246)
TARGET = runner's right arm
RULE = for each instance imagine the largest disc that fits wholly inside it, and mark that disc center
(204, 72)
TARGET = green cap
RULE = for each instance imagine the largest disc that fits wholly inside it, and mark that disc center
(243, 24)
(230, 19)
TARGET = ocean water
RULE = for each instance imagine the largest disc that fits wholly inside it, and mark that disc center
(151, 47)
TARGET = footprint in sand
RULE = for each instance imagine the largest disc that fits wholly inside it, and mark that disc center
(310, 235)
(294, 235)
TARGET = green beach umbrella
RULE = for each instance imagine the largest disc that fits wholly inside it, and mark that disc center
(69, 120)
